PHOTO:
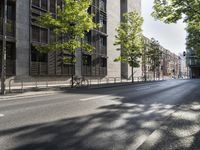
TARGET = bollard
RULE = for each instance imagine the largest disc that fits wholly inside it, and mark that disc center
(22, 86)
(47, 84)
(10, 85)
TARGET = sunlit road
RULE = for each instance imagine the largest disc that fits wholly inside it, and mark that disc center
(162, 115)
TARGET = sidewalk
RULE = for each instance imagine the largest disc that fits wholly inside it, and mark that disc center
(45, 85)
(53, 89)
(180, 131)
(29, 94)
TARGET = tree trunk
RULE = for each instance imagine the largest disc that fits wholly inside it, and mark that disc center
(145, 72)
(72, 71)
(154, 70)
(132, 74)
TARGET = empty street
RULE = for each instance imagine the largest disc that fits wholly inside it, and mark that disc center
(156, 115)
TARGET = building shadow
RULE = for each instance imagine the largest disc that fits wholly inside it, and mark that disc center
(125, 125)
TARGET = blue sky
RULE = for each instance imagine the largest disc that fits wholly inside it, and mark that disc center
(170, 36)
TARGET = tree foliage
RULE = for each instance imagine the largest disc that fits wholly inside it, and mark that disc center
(193, 38)
(170, 11)
(129, 37)
(70, 25)
(173, 10)
(154, 54)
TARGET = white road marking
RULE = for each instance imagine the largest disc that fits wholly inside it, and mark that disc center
(25, 96)
(1, 115)
(93, 98)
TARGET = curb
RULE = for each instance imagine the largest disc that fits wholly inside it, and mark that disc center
(34, 92)
(26, 95)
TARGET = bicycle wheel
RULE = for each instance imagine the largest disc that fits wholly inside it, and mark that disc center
(84, 82)
(75, 84)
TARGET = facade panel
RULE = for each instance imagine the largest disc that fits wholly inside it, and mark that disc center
(23, 34)
(114, 68)
(22, 37)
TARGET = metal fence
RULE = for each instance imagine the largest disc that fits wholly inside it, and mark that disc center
(22, 85)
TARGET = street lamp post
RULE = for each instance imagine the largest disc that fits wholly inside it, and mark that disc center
(3, 55)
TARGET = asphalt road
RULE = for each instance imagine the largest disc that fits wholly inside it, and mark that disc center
(158, 116)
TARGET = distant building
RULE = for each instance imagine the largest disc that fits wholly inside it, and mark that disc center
(184, 68)
(193, 63)
(170, 64)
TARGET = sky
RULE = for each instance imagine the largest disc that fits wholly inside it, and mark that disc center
(170, 36)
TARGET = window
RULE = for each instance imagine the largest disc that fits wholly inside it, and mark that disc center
(59, 3)
(36, 3)
(10, 26)
(1, 9)
(52, 6)
(103, 62)
(35, 33)
(101, 22)
(11, 11)
(67, 59)
(39, 34)
(87, 37)
(44, 35)
(94, 2)
(103, 41)
(52, 36)
(102, 5)
(10, 51)
(36, 56)
(44, 4)
(1, 17)
(86, 60)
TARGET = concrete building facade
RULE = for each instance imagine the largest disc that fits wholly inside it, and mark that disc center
(193, 64)
(169, 67)
(23, 34)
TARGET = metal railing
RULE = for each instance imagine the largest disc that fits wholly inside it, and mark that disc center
(30, 83)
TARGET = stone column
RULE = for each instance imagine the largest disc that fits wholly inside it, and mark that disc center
(22, 37)
(113, 21)
(78, 64)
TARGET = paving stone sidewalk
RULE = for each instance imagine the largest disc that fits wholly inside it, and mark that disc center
(181, 131)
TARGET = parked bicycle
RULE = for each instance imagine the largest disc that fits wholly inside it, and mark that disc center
(79, 82)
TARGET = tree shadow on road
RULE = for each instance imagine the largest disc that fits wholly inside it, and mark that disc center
(124, 125)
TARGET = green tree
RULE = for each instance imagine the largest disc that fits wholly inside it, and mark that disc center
(173, 10)
(144, 60)
(154, 54)
(170, 11)
(70, 26)
(129, 38)
(193, 38)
